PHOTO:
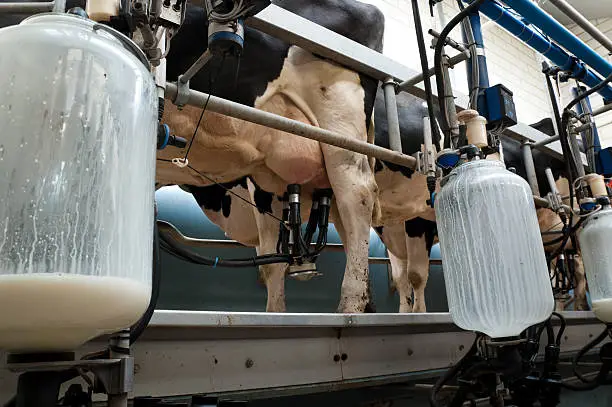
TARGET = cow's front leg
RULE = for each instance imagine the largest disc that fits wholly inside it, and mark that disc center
(273, 275)
(354, 194)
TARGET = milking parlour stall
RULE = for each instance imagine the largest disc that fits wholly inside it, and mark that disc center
(258, 202)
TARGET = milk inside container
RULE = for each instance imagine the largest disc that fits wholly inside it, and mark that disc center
(78, 112)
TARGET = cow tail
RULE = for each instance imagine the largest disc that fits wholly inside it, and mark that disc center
(376, 210)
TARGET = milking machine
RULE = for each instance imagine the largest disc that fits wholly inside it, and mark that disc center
(83, 100)
(496, 271)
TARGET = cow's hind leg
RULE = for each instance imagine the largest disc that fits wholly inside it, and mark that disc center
(580, 283)
(394, 238)
(419, 239)
(273, 275)
(354, 194)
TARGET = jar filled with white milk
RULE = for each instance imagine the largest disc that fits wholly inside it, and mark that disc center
(78, 114)
(595, 240)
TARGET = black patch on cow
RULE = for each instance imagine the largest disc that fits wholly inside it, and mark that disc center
(263, 199)
(410, 111)
(215, 197)
(419, 227)
(378, 165)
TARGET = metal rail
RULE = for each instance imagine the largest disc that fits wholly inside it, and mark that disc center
(195, 352)
(30, 8)
(586, 25)
(406, 85)
(250, 114)
(603, 109)
(310, 36)
(233, 244)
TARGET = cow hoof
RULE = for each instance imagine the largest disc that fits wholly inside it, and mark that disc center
(351, 306)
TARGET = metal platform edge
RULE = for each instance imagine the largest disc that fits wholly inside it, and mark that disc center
(258, 354)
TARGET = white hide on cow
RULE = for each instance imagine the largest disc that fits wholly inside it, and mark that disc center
(313, 91)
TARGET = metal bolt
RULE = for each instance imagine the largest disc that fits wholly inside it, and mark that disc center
(461, 347)
(249, 363)
(565, 337)
(136, 368)
(336, 358)
(410, 352)
(344, 357)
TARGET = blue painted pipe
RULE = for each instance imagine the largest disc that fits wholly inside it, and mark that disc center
(538, 17)
(596, 141)
(482, 61)
(545, 47)
(483, 72)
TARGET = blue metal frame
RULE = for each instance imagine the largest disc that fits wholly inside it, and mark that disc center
(546, 47)
(538, 17)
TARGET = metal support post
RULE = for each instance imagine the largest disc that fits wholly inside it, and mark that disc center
(483, 72)
(120, 349)
(419, 77)
(250, 114)
(59, 6)
(195, 68)
(530, 169)
(395, 141)
(573, 141)
(449, 101)
(29, 8)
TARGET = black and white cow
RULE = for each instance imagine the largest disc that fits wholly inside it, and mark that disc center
(289, 81)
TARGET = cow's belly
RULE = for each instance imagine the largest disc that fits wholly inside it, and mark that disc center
(402, 198)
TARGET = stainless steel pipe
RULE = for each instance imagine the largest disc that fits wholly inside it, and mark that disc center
(544, 142)
(29, 8)
(419, 78)
(603, 109)
(195, 68)
(530, 169)
(250, 114)
(586, 25)
(395, 141)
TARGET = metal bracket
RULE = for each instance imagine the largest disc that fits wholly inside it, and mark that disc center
(169, 15)
(182, 94)
(115, 375)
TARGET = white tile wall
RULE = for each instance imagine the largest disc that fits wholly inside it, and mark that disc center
(509, 61)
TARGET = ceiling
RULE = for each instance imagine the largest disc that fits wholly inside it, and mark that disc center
(589, 8)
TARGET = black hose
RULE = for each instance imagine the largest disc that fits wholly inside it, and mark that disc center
(425, 65)
(452, 372)
(561, 328)
(138, 328)
(584, 351)
(589, 92)
(170, 245)
(438, 59)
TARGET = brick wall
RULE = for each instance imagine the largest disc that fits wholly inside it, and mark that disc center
(509, 61)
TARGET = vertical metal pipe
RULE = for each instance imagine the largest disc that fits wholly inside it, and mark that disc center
(576, 153)
(551, 181)
(532, 179)
(59, 6)
(423, 56)
(449, 100)
(395, 141)
(483, 72)
(119, 348)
